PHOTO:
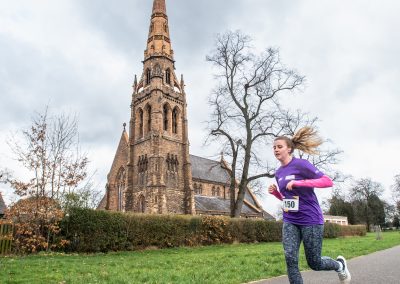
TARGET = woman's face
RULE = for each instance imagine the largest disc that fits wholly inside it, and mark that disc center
(281, 150)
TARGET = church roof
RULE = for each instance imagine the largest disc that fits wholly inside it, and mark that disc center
(207, 203)
(121, 155)
(208, 170)
(250, 198)
(213, 171)
(103, 203)
(3, 206)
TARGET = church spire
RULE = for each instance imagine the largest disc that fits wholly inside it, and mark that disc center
(159, 7)
(158, 43)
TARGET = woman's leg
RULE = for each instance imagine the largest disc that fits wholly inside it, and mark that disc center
(312, 240)
(291, 238)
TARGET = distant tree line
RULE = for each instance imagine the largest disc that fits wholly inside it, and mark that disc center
(364, 203)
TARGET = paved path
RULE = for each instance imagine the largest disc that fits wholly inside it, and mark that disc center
(382, 267)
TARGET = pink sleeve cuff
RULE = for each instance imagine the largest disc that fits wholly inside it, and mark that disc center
(278, 195)
(322, 182)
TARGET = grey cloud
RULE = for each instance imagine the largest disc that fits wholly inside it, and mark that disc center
(123, 23)
(313, 36)
(19, 76)
(31, 80)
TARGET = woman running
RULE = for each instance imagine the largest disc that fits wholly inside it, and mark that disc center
(302, 215)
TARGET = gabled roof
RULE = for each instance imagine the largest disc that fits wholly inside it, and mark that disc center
(207, 203)
(208, 170)
(121, 155)
(215, 205)
(3, 206)
(103, 203)
(214, 171)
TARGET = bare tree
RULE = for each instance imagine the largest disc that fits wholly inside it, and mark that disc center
(49, 149)
(396, 193)
(291, 121)
(242, 112)
(4, 175)
(246, 112)
(396, 188)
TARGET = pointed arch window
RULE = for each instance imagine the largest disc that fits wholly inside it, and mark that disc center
(142, 204)
(165, 115)
(168, 160)
(148, 76)
(172, 162)
(175, 121)
(143, 163)
(142, 168)
(157, 71)
(176, 163)
(120, 184)
(148, 118)
(168, 76)
(140, 123)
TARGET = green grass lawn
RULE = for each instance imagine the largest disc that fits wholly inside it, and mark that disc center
(236, 263)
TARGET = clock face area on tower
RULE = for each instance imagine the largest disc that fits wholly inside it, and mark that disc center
(152, 171)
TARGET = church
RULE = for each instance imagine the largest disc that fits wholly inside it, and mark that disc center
(153, 171)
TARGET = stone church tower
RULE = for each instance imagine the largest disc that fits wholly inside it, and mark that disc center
(152, 171)
(157, 176)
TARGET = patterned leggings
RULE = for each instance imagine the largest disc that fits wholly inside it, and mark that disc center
(312, 240)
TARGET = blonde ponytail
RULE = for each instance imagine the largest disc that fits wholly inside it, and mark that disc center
(307, 140)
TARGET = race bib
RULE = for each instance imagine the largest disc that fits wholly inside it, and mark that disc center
(291, 204)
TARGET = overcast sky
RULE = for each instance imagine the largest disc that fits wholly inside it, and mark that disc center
(80, 56)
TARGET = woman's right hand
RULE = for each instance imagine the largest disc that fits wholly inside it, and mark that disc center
(272, 188)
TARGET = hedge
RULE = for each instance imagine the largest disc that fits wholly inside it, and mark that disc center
(102, 231)
(354, 230)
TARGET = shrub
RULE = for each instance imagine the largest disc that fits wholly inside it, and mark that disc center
(331, 230)
(93, 231)
(255, 230)
(334, 230)
(101, 231)
(36, 225)
(214, 230)
(353, 230)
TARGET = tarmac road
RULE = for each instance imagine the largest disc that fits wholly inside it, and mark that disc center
(382, 267)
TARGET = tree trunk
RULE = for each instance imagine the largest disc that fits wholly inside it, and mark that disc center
(240, 199)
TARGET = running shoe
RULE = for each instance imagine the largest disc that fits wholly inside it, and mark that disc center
(344, 274)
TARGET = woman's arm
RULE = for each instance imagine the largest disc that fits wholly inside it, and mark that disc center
(278, 195)
(321, 182)
(273, 189)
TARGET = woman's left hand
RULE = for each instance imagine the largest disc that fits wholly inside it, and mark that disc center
(290, 185)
